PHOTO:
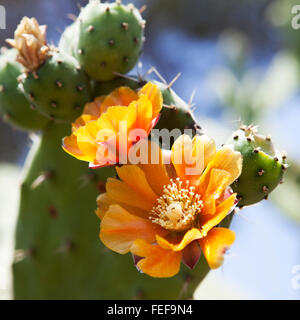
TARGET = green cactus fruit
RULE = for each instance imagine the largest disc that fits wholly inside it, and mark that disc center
(13, 105)
(69, 38)
(58, 251)
(263, 166)
(58, 89)
(110, 39)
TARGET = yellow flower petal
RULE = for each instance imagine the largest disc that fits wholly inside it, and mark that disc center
(86, 142)
(144, 113)
(153, 94)
(135, 178)
(155, 169)
(104, 201)
(218, 181)
(215, 244)
(209, 148)
(71, 147)
(157, 262)
(122, 193)
(82, 121)
(207, 222)
(122, 96)
(209, 205)
(114, 115)
(191, 156)
(119, 229)
(94, 108)
(226, 159)
(181, 154)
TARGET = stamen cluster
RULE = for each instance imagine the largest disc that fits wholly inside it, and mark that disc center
(178, 207)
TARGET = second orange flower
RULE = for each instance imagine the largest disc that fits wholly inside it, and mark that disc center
(111, 124)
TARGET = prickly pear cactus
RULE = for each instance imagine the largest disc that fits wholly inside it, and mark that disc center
(263, 166)
(177, 113)
(13, 105)
(52, 82)
(103, 88)
(69, 38)
(103, 50)
(58, 251)
(58, 89)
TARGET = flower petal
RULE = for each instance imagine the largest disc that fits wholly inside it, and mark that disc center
(226, 159)
(155, 169)
(82, 121)
(71, 147)
(122, 96)
(157, 262)
(86, 143)
(119, 229)
(94, 108)
(135, 178)
(181, 154)
(122, 193)
(104, 201)
(215, 244)
(154, 95)
(207, 222)
(110, 120)
(190, 156)
(144, 113)
(217, 183)
(190, 235)
(209, 147)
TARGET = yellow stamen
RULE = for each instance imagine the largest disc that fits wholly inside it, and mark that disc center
(178, 207)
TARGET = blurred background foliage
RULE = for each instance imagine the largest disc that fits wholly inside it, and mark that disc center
(243, 58)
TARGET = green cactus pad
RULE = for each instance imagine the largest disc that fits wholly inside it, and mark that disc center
(104, 88)
(59, 89)
(58, 251)
(176, 113)
(262, 169)
(110, 39)
(13, 105)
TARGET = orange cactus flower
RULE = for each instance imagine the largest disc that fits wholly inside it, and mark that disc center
(167, 213)
(111, 124)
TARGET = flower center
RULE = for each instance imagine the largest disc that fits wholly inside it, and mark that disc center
(178, 207)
